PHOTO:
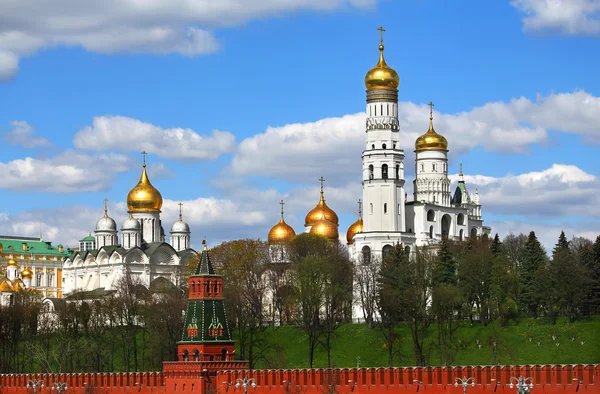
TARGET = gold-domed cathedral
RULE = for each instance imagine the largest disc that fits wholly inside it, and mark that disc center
(140, 252)
(389, 216)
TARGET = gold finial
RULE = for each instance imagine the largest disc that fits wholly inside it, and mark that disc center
(41, 230)
(144, 153)
(381, 30)
(106, 207)
(460, 173)
(431, 104)
(282, 204)
(359, 208)
(180, 205)
(204, 243)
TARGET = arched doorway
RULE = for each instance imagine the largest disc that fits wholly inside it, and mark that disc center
(460, 234)
(430, 232)
(431, 215)
(473, 232)
(446, 221)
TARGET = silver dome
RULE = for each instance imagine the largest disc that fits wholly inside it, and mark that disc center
(131, 224)
(106, 224)
(180, 227)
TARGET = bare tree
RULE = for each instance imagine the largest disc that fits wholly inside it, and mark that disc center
(365, 286)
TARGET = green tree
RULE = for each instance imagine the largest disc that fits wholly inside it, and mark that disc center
(534, 257)
(475, 277)
(393, 281)
(496, 246)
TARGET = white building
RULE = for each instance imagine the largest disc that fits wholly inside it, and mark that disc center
(142, 252)
(387, 217)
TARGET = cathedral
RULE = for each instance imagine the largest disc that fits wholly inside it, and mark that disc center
(388, 216)
(141, 253)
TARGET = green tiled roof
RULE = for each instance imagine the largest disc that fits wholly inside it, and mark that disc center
(87, 239)
(14, 245)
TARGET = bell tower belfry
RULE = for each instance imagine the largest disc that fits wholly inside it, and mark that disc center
(383, 160)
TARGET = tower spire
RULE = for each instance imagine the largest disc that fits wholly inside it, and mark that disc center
(460, 173)
(41, 223)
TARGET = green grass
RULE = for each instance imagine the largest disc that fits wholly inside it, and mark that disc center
(513, 344)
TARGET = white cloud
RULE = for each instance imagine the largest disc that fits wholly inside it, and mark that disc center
(567, 17)
(68, 172)
(23, 134)
(123, 133)
(559, 191)
(133, 26)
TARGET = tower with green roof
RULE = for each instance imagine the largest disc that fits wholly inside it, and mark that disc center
(206, 335)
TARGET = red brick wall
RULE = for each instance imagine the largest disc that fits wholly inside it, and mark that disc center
(209, 377)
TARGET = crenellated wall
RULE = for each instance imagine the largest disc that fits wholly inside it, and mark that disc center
(208, 377)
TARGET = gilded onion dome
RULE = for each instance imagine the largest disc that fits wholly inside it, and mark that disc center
(382, 76)
(26, 273)
(356, 227)
(321, 209)
(281, 232)
(431, 140)
(325, 228)
(12, 263)
(144, 196)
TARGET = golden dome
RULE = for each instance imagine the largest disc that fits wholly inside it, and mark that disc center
(321, 209)
(382, 76)
(431, 140)
(325, 228)
(281, 232)
(144, 196)
(12, 263)
(26, 273)
(356, 227)
(1, 247)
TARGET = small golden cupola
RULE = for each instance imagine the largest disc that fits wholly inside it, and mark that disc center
(356, 227)
(12, 263)
(144, 197)
(382, 76)
(431, 140)
(325, 228)
(320, 210)
(26, 273)
(281, 232)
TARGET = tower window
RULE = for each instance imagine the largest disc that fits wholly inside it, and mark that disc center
(422, 167)
(373, 146)
(384, 171)
(385, 208)
(434, 167)
(394, 146)
(384, 146)
(397, 171)
(371, 208)
(371, 171)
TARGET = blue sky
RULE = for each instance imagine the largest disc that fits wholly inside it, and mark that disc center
(250, 102)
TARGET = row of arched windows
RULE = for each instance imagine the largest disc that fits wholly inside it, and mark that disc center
(366, 252)
(390, 110)
(384, 171)
(434, 167)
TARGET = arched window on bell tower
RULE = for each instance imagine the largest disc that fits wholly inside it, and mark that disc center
(371, 176)
(384, 171)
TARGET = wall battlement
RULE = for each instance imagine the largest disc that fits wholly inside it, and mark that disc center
(203, 377)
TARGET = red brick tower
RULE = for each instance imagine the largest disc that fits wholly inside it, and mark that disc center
(206, 345)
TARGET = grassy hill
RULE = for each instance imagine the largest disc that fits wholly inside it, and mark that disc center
(526, 341)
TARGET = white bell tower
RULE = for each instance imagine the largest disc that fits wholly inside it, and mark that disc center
(383, 160)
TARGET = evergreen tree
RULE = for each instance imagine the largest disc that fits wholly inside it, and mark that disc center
(445, 272)
(496, 246)
(534, 257)
(562, 245)
(595, 276)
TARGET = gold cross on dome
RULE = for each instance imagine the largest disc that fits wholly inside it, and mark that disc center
(106, 207)
(359, 207)
(144, 153)
(180, 206)
(431, 110)
(282, 204)
(381, 30)
(321, 179)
